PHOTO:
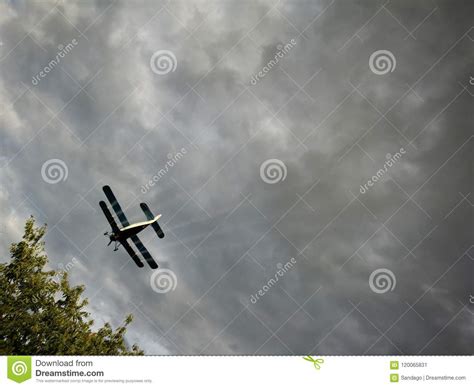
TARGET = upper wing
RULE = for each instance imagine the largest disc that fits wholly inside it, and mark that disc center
(144, 252)
(115, 205)
(150, 216)
(132, 253)
(109, 217)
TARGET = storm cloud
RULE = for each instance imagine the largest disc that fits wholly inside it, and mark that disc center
(83, 83)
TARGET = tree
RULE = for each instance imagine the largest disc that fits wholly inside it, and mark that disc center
(41, 313)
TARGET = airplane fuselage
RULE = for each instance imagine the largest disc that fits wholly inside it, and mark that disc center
(128, 232)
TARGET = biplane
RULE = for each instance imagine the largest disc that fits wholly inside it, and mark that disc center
(119, 236)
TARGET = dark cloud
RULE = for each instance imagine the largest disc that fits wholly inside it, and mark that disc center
(320, 110)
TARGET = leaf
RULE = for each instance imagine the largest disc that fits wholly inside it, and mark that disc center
(42, 313)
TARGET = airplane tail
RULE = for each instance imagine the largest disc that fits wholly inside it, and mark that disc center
(150, 216)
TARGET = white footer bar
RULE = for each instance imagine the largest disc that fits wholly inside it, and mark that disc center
(238, 371)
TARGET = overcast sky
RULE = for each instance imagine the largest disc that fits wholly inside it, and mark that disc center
(245, 82)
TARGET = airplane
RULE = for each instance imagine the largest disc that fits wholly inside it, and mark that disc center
(119, 236)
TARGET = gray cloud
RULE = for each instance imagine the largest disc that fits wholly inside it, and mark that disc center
(320, 110)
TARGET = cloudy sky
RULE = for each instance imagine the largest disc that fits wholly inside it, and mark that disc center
(275, 114)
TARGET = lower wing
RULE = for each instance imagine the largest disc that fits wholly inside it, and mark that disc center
(132, 253)
(144, 252)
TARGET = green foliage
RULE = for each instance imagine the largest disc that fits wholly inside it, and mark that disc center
(41, 313)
